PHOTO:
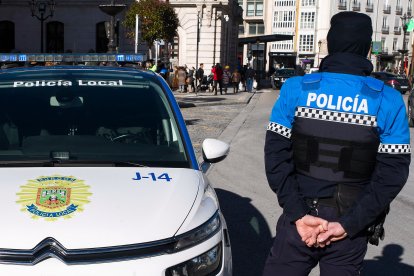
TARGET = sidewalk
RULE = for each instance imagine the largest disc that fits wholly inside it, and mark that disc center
(205, 98)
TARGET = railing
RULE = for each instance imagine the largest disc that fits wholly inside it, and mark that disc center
(387, 9)
(385, 50)
(356, 6)
(342, 5)
(369, 7)
(397, 30)
(409, 11)
(398, 10)
(385, 29)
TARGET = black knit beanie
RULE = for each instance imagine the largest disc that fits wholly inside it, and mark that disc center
(350, 32)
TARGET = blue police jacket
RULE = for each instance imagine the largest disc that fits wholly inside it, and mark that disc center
(337, 113)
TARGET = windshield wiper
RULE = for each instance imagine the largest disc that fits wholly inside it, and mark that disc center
(67, 163)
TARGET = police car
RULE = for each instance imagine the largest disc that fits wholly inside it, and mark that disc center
(99, 177)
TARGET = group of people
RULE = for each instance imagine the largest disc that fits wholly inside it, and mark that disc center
(221, 79)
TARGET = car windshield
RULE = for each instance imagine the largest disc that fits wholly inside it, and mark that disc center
(285, 72)
(87, 117)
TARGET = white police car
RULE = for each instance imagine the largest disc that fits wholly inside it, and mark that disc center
(99, 177)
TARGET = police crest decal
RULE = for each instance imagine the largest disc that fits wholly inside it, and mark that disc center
(53, 197)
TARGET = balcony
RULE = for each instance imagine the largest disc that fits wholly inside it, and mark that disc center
(387, 9)
(369, 7)
(397, 30)
(342, 5)
(398, 10)
(384, 50)
(356, 6)
(385, 29)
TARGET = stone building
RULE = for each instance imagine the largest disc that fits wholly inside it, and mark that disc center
(79, 26)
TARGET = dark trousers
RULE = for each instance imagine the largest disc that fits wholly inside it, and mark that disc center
(290, 256)
(220, 84)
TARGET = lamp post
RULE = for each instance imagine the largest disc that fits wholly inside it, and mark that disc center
(42, 10)
(319, 51)
(197, 48)
(404, 21)
(111, 10)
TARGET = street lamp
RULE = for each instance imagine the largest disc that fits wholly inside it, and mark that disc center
(42, 10)
(404, 21)
(198, 44)
(111, 10)
(319, 51)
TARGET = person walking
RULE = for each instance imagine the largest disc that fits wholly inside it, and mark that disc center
(200, 76)
(337, 152)
(235, 79)
(182, 76)
(226, 78)
(250, 74)
(217, 78)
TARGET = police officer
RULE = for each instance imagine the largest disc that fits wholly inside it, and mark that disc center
(337, 152)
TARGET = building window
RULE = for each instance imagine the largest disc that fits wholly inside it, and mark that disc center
(395, 44)
(306, 43)
(284, 19)
(55, 37)
(284, 45)
(241, 29)
(6, 36)
(384, 49)
(256, 28)
(101, 38)
(285, 3)
(307, 20)
(308, 3)
(254, 8)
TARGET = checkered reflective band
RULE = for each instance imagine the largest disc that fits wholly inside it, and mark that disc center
(394, 148)
(279, 129)
(336, 116)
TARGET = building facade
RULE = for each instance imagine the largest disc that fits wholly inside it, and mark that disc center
(79, 26)
(309, 22)
(76, 26)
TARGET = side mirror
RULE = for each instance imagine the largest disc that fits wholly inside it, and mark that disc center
(214, 150)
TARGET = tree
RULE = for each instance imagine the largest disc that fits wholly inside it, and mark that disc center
(158, 20)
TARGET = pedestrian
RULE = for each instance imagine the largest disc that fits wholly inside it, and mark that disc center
(250, 74)
(190, 80)
(217, 78)
(200, 76)
(337, 152)
(235, 79)
(182, 76)
(226, 78)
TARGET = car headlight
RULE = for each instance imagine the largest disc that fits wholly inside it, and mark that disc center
(208, 263)
(276, 78)
(199, 234)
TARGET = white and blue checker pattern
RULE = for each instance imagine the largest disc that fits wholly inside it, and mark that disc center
(395, 148)
(279, 129)
(336, 116)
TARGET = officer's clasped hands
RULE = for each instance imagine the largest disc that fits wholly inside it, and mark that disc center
(318, 232)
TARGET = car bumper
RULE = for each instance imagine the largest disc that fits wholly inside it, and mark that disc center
(153, 266)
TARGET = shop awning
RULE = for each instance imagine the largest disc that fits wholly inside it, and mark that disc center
(264, 38)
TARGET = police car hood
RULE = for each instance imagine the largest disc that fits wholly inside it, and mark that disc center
(94, 207)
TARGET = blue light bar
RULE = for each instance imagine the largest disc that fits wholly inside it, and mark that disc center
(77, 58)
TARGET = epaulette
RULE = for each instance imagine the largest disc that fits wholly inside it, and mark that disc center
(374, 84)
(311, 78)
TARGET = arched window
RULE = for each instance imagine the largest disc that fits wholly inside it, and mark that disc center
(6, 36)
(101, 39)
(55, 37)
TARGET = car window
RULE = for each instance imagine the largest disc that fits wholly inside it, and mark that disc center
(88, 116)
(286, 72)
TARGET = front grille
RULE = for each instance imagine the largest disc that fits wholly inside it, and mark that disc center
(51, 248)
